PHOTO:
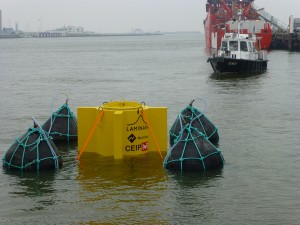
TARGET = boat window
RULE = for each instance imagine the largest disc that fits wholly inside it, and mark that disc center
(243, 46)
(224, 45)
(250, 46)
(233, 45)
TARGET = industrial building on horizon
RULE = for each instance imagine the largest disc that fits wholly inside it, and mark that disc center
(65, 31)
(0, 20)
(9, 32)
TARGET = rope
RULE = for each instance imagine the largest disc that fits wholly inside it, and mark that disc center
(90, 134)
(54, 98)
(70, 115)
(189, 119)
(47, 141)
(152, 134)
(191, 103)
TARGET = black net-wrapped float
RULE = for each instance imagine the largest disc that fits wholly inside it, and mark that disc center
(33, 151)
(194, 139)
(62, 125)
(193, 152)
(194, 117)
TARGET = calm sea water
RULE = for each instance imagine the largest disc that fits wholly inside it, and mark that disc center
(258, 119)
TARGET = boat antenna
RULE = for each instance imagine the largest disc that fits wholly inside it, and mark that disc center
(239, 22)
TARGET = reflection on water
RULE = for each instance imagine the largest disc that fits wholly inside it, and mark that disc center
(190, 198)
(37, 185)
(229, 76)
(130, 188)
(32, 184)
(38, 190)
(194, 179)
(140, 189)
(257, 116)
(98, 173)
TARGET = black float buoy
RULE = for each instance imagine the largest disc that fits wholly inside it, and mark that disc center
(33, 151)
(193, 152)
(193, 138)
(62, 124)
(197, 119)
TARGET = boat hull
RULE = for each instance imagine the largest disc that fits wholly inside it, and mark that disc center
(229, 65)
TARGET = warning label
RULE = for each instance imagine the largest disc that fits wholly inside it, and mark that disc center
(145, 146)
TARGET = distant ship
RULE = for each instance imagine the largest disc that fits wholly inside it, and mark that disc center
(222, 18)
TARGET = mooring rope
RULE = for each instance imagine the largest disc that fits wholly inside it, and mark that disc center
(46, 138)
(90, 134)
(151, 131)
(52, 103)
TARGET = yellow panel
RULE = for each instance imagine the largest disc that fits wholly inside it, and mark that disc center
(118, 136)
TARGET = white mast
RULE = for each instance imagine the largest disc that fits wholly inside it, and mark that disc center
(239, 22)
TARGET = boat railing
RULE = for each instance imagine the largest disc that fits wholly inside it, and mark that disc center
(260, 55)
(271, 19)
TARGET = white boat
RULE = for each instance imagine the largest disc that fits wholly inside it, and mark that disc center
(239, 53)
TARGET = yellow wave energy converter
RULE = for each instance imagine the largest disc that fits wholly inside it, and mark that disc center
(121, 129)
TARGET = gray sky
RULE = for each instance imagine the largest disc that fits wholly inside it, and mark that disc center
(122, 15)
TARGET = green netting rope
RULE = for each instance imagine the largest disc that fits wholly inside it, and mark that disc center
(189, 139)
(195, 115)
(56, 115)
(25, 146)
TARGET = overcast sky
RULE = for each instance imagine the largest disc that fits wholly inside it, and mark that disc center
(122, 15)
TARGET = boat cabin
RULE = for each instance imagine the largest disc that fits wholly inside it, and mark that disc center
(241, 46)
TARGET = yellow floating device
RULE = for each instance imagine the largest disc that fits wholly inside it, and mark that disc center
(122, 129)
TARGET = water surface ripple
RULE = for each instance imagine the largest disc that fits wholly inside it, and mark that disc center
(257, 116)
